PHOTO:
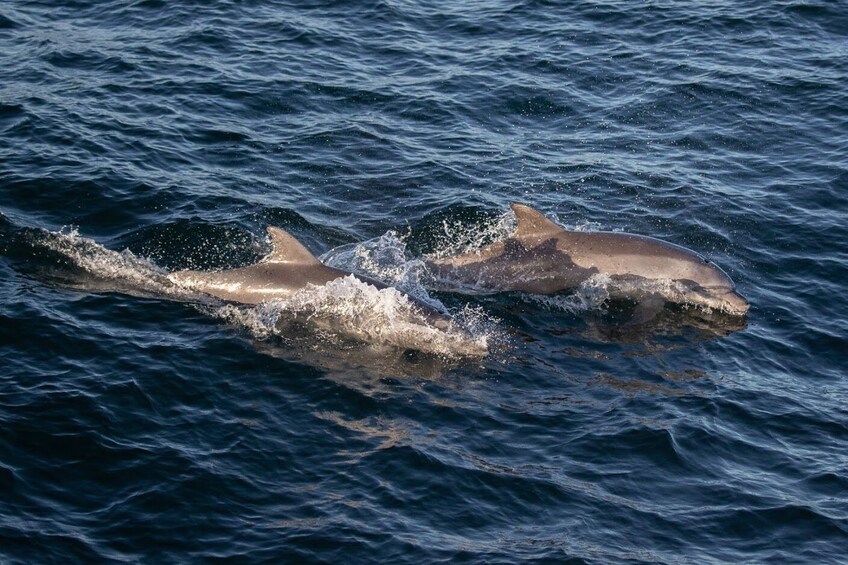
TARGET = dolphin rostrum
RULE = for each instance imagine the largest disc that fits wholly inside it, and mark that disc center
(541, 257)
(289, 268)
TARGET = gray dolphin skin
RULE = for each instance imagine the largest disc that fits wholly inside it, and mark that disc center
(541, 257)
(288, 268)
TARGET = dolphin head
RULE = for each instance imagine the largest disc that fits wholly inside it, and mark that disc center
(717, 298)
(711, 287)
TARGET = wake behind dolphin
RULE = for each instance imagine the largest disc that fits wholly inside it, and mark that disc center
(288, 295)
(541, 257)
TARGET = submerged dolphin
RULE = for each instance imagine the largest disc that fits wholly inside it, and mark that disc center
(541, 257)
(289, 268)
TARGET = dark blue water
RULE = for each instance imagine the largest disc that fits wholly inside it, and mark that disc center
(161, 135)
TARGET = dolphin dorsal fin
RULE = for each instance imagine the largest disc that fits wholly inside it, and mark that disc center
(531, 221)
(286, 249)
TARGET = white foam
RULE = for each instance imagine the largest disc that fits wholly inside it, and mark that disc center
(348, 308)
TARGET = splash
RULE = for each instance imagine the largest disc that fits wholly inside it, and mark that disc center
(109, 270)
(386, 259)
(343, 313)
(592, 294)
(349, 309)
(457, 237)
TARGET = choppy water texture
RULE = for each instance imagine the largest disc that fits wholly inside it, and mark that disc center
(138, 423)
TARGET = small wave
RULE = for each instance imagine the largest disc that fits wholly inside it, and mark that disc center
(7, 22)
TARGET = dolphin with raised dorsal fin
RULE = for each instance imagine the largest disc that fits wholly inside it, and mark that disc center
(288, 268)
(542, 257)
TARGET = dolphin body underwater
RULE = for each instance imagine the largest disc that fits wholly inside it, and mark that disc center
(289, 267)
(541, 257)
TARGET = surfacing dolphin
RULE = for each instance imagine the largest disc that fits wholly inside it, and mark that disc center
(541, 257)
(289, 267)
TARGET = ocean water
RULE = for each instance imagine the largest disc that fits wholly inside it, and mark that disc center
(143, 423)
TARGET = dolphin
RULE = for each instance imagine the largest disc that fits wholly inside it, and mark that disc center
(288, 268)
(542, 257)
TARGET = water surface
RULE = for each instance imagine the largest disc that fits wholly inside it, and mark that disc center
(142, 426)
